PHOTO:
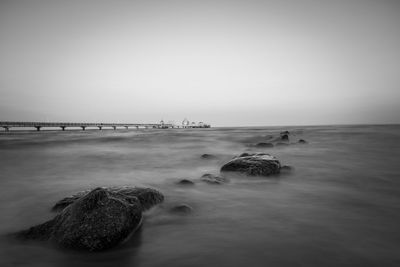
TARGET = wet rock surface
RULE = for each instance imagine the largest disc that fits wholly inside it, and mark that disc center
(181, 209)
(259, 164)
(285, 137)
(213, 179)
(185, 182)
(148, 197)
(97, 220)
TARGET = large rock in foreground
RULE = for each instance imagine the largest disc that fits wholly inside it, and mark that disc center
(97, 220)
(259, 164)
(148, 197)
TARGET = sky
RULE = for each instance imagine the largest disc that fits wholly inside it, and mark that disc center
(227, 63)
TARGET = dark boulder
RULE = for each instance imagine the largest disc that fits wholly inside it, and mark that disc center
(181, 209)
(185, 182)
(261, 145)
(98, 220)
(213, 179)
(259, 164)
(148, 197)
(208, 156)
(302, 141)
(285, 137)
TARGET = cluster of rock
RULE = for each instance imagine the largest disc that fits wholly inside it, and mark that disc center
(281, 140)
(97, 219)
(102, 218)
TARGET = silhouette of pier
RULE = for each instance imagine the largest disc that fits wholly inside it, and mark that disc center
(7, 125)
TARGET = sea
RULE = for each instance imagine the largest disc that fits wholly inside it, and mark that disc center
(338, 206)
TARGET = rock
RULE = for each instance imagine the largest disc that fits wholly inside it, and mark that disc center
(259, 164)
(98, 220)
(302, 141)
(185, 182)
(285, 137)
(148, 197)
(264, 145)
(182, 209)
(243, 155)
(208, 156)
(213, 179)
(285, 133)
(286, 169)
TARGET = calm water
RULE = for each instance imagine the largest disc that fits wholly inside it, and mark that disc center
(339, 207)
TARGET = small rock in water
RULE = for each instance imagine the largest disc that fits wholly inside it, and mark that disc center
(302, 141)
(182, 209)
(185, 182)
(208, 156)
(98, 220)
(259, 164)
(264, 145)
(285, 137)
(213, 179)
(286, 169)
(285, 133)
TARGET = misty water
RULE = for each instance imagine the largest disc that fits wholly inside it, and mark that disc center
(340, 206)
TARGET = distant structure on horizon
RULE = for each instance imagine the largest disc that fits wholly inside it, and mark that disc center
(187, 124)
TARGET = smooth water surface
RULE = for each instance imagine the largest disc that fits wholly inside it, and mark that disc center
(339, 207)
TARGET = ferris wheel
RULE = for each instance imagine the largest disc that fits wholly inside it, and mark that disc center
(185, 123)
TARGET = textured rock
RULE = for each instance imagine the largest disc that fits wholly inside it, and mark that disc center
(259, 164)
(213, 179)
(148, 197)
(99, 219)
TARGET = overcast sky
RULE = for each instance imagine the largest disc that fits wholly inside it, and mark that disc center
(228, 63)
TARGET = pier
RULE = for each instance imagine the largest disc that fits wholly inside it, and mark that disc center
(7, 125)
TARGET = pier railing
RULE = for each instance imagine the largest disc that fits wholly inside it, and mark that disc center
(7, 125)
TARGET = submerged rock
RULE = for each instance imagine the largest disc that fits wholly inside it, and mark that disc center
(286, 169)
(182, 209)
(302, 141)
(259, 164)
(264, 145)
(185, 182)
(148, 197)
(285, 133)
(99, 219)
(213, 179)
(208, 156)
